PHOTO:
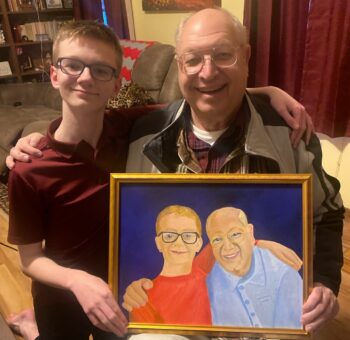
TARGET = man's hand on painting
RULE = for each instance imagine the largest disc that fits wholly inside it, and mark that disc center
(321, 306)
(285, 254)
(135, 295)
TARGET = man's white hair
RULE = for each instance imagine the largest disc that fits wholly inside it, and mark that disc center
(238, 26)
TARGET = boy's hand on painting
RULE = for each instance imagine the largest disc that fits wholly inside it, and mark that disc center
(135, 295)
(285, 254)
(98, 303)
(322, 305)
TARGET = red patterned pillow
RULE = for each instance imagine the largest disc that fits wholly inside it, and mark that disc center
(131, 50)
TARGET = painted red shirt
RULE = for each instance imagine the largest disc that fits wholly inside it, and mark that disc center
(177, 300)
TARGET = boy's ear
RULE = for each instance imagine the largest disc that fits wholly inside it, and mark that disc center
(158, 244)
(53, 77)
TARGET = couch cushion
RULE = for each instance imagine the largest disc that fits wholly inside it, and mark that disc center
(37, 126)
(170, 90)
(14, 119)
(336, 162)
(34, 94)
(151, 68)
(12, 122)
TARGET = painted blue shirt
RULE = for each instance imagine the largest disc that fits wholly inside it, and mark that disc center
(269, 295)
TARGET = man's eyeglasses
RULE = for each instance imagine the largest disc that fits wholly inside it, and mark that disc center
(75, 68)
(222, 57)
(187, 237)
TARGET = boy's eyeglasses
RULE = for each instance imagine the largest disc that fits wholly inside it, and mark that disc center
(187, 237)
(75, 68)
(192, 62)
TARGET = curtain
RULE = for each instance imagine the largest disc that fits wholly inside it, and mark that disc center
(303, 47)
(277, 34)
(117, 17)
(88, 10)
(115, 10)
(325, 87)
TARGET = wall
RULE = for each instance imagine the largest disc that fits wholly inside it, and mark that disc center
(161, 27)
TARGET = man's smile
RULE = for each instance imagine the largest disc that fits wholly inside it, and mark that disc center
(231, 255)
(207, 90)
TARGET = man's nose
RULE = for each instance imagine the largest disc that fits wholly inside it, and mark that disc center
(209, 68)
(228, 244)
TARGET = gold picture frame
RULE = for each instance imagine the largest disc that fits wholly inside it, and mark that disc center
(278, 205)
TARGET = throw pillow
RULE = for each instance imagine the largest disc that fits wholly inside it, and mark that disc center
(130, 95)
(131, 51)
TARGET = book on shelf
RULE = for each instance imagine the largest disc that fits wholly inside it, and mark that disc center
(5, 69)
(37, 30)
(27, 5)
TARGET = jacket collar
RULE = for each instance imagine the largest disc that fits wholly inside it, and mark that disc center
(257, 143)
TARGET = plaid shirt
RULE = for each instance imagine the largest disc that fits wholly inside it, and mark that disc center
(226, 155)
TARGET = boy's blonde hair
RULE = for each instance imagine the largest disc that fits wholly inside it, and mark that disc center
(88, 29)
(179, 210)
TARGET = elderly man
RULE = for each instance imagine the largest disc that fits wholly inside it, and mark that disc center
(248, 286)
(218, 127)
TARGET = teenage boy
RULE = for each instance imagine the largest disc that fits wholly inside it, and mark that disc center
(58, 203)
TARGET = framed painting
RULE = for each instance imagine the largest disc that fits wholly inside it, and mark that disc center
(177, 5)
(212, 254)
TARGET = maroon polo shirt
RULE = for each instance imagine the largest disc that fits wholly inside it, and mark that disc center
(63, 198)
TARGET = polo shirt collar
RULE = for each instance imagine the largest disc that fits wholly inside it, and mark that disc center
(82, 150)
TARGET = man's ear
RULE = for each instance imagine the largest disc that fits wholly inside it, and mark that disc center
(156, 239)
(251, 232)
(53, 77)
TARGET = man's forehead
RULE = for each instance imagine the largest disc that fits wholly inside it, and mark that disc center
(198, 42)
(224, 221)
(223, 231)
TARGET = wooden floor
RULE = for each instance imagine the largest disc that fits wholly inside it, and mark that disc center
(15, 288)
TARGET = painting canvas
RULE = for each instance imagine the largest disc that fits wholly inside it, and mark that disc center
(210, 246)
(178, 5)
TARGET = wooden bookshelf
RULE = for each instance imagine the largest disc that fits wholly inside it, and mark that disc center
(28, 28)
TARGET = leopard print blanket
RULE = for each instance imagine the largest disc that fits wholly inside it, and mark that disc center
(130, 95)
(4, 201)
